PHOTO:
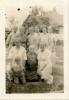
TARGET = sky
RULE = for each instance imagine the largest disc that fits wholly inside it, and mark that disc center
(48, 4)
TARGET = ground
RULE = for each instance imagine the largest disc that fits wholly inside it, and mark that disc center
(42, 87)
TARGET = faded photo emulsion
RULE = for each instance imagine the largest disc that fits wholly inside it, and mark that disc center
(34, 42)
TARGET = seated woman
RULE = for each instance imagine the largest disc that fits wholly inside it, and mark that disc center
(31, 65)
(45, 64)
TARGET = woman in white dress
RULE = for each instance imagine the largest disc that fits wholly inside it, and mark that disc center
(45, 64)
(34, 39)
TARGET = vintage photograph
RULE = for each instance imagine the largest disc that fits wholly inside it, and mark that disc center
(34, 42)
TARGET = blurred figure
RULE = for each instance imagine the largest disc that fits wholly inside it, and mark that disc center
(10, 36)
(10, 39)
(44, 29)
(22, 36)
(44, 37)
(31, 30)
(34, 39)
(16, 63)
(31, 65)
(49, 40)
(29, 39)
(36, 29)
(52, 39)
(45, 64)
(7, 32)
(53, 47)
(50, 29)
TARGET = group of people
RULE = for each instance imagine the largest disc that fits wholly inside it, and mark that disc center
(32, 57)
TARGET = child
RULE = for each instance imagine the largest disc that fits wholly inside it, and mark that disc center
(17, 57)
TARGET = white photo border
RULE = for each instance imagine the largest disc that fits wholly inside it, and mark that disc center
(39, 96)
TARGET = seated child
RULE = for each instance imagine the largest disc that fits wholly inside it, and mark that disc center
(16, 66)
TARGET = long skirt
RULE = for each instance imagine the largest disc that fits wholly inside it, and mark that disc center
(45, 71)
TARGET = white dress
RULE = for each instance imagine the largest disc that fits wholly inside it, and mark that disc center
(45, 65)
(34, 40)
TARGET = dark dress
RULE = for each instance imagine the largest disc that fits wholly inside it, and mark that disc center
(31, 67)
